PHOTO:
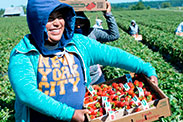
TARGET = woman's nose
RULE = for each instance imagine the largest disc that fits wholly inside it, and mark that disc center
(56, 21)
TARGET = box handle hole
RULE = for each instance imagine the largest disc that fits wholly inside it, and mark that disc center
(145, 117)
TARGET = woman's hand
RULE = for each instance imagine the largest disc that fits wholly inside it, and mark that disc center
(154, 79)
(79, 115)
(108, 5)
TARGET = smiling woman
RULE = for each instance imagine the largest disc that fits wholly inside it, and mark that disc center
(55, 28)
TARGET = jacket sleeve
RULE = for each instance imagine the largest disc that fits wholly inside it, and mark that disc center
(112, 56)
(111, 34)
(24, 82)
(179, 28)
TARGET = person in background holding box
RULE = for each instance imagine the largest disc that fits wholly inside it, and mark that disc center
(179, 29)
(102, 35)
(134, 30)
(49, 68)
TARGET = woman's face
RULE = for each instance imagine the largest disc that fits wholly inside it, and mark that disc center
(55, 27)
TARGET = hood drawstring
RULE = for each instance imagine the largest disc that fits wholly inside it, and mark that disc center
(69, 60)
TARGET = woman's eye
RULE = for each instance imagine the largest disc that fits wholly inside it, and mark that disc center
(60, 17)
(50, 19)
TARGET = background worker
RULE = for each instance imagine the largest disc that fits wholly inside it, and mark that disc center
(134, 30)
(179, 29)
(102, 35)
(98, 24)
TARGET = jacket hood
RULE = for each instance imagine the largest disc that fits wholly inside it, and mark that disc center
(38, 12)
(98, 22)
(133, 21)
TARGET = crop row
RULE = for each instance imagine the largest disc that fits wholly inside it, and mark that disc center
(167, 28)
(166, 43)
(11, 31)
(162, 20)
(157, 16)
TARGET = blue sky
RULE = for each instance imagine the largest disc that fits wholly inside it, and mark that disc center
(8, 3)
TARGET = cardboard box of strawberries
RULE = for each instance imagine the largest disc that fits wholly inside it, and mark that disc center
(130, 98)
(86, 5)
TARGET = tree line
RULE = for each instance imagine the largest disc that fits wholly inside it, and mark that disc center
(148, 4)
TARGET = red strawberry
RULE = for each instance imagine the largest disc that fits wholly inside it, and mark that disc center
(99, 93)
(116, 97)
(144, 98)
(136, 83)
(122, 92)
(112, 96)
(122, 99)
(147, 93)
(91, 99)
(95, 97)
(121, 85)
(128, 107)
(141, 84)
(101, 110)
(140, 98)
(116, 103)
(121, 104)
(133, 95)
(127, 98)
(100, 113)
(144, 89)
(132, 104)
(111, 92)
(86, 101)
(96, 87)
(131, 85)
(92, 111)
(109, 100)
(109, 88)
(104, 89)
(103, 94)
(103, 86)
(92, 117)
(126, 103)
(137, 109)
(130, 92)
(87, 94)
(114, 85)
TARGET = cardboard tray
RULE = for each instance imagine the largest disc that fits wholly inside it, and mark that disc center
(161, 108)
(86, 5)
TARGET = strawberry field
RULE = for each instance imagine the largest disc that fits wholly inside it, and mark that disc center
(159, 46)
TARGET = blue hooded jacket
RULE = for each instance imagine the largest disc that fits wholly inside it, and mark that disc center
(38, 12)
